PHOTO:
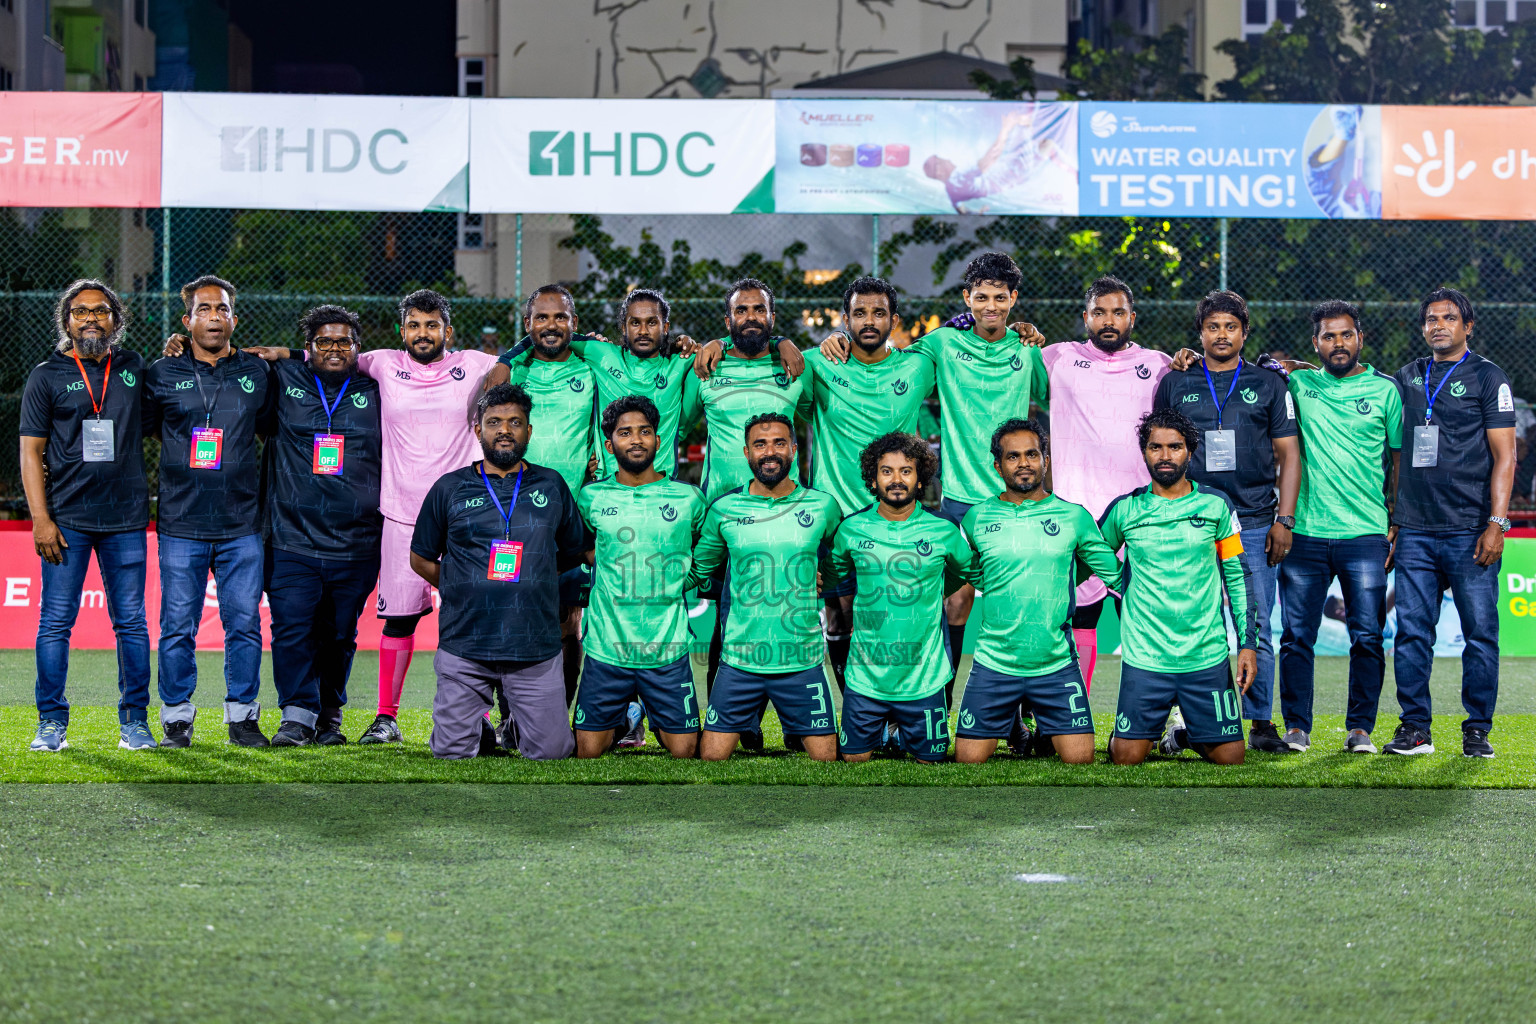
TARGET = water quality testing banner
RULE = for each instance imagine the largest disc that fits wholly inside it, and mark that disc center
(923, 156)
(621, 156)
(280, 152)
(1231, 160)
(79, 149)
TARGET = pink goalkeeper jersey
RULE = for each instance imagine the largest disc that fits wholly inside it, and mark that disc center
(1097, 399)
(424, 411)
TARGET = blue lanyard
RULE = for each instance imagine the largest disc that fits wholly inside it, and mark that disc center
(506, 513)
(1429, 371)
(331, 407)
(1221, 403)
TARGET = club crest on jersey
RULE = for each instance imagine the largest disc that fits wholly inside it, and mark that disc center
(899, 386)
(1198, 522)
(1362, 406)
(668, 513)
(581, 715)
(1249, 395)
(712, 717)
(1050, 527)
(538, 499)
(1458, 389)
(781, 379)
(456, 372)
(1122, 724)
(360, 400)
(247, 385)
(382, 604)
(924, 548)
(577, 384)
(805, 519)
(967, 720)
(1016, 363)
(661, 382)
(1142, 371)
(128, 378)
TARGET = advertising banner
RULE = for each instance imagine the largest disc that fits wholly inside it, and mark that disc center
(1474, 163)
(1517, 598)
(1231, 160)
(621, 156)
(913, 156)
(21, 588)
(79, 149)
(273, 152)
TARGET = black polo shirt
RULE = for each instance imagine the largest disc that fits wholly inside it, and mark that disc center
(323, 515)
(1260, 410)
(493, 620)
(1452, 496)
(92, 497)
(208, 504)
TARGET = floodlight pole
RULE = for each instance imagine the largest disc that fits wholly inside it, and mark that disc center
(1223, 276)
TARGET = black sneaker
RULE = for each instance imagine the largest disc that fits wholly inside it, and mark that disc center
(247, 734)
(795, 744)
(330, 737)
(178, 735)
(293, 734)
(1409, 740)
(1474, 743)
(489, 745)
(506, 734)
(1019, 737)
(383, 730)
(1264, 737)
(754, 741)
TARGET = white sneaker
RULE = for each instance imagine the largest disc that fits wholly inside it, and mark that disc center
(1168, 745)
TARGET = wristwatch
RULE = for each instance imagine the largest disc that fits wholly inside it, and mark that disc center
(1503, 522)
(1289, 522)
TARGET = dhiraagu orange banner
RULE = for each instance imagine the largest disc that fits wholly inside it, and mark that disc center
(1454, 163)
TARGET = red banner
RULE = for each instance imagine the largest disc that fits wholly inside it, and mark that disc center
(21, 587)
(79, 149)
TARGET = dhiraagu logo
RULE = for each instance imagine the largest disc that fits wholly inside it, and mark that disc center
(629, 154)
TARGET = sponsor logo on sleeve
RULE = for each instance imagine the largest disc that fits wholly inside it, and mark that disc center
(1506, 399)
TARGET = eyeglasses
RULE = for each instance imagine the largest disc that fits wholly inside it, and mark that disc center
(332, 345)
(90, 313)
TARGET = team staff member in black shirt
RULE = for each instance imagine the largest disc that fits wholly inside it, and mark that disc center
(493, 538)
(1452, 510)
(206, 405)
(82, 467)
(1247, 425)
(321, 467)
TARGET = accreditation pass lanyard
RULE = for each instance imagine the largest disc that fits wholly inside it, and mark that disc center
(330, 448)
(1221, 445)
(506, 554)
(207, 449)
(1426, 439)
(97, 442)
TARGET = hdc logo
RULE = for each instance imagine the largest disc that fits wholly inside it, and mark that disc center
(243, 148)
(554, 153)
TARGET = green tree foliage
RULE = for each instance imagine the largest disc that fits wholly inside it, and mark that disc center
(1020, 86)
(310, 251)
(1132, 67)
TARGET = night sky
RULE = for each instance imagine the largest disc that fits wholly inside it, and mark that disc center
(400, 47)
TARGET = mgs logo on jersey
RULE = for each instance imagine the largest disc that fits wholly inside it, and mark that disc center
(712, 717)
(668, 513)
(1016, 363)
(538, 499)
(1190, 398)
(924, 548)
(577, 384)
(613, 371)
(247, 385)
(1050, 527)
(1122, 723)
(899, 386)
(457, 373)
(1249, 395)
(1142, 371)
(1363, 406)
(781, 379)
(129, 379)
(1458, 389)
(360, 401)
(293, 392)
(661, 382)
(1198, 522)
(967, 720)
(581, 715)
(805, 519)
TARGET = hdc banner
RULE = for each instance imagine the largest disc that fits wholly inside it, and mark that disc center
(1231, 160)
(79, 149)
(621, 156)
(1460, 163)
(316, 152)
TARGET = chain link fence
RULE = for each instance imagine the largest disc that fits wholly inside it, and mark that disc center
(286, 261)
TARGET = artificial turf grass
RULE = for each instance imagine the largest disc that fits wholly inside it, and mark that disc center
(454, 903)
(93, 757)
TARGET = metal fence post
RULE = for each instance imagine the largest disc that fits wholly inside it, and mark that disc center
(165, 270)
(874, 245)
(1223, 275)
(517, 261)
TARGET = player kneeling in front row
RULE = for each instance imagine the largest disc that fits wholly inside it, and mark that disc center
(775, 533)
(493, 538)
(1172, 634)
(906, 560)
(635, 630)
(1028, 544)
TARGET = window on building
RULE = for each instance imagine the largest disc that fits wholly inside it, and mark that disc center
(1490, 14)
(7, 80)
(1258, 15)
(471, 76)
(471, 231)
(8, 5)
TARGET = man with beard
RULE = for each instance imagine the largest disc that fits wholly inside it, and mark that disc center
(635, 631)
(1029, 544)
(82, 468)
(1183, 544)
(1350, 417)
(493, 538)
(774, 533)
(206, 406)
(879, 391)
(906, 560)
(322, 466)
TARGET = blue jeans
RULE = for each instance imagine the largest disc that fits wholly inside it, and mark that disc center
(237, 569)
(121, 558)
(315, 607)
(1428, 564)
(1259, 701)
(1360, 565)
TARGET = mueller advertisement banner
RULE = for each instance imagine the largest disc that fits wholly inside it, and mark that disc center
(21, 588)
(621, 156)
(79, 149)
(1231, 160)
(915, 156)
(276, 152)
(1474, 163)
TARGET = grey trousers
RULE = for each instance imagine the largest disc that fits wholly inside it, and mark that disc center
(466, 690)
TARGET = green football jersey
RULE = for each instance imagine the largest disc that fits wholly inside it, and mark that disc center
(1347, 424)
(644, 537)
(852, 404)
(564, 401)
(738, 390)
(775, 547)
(1030, 556)
(1178, 554)
(904, 572)
(981, 384)
(662, 379)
